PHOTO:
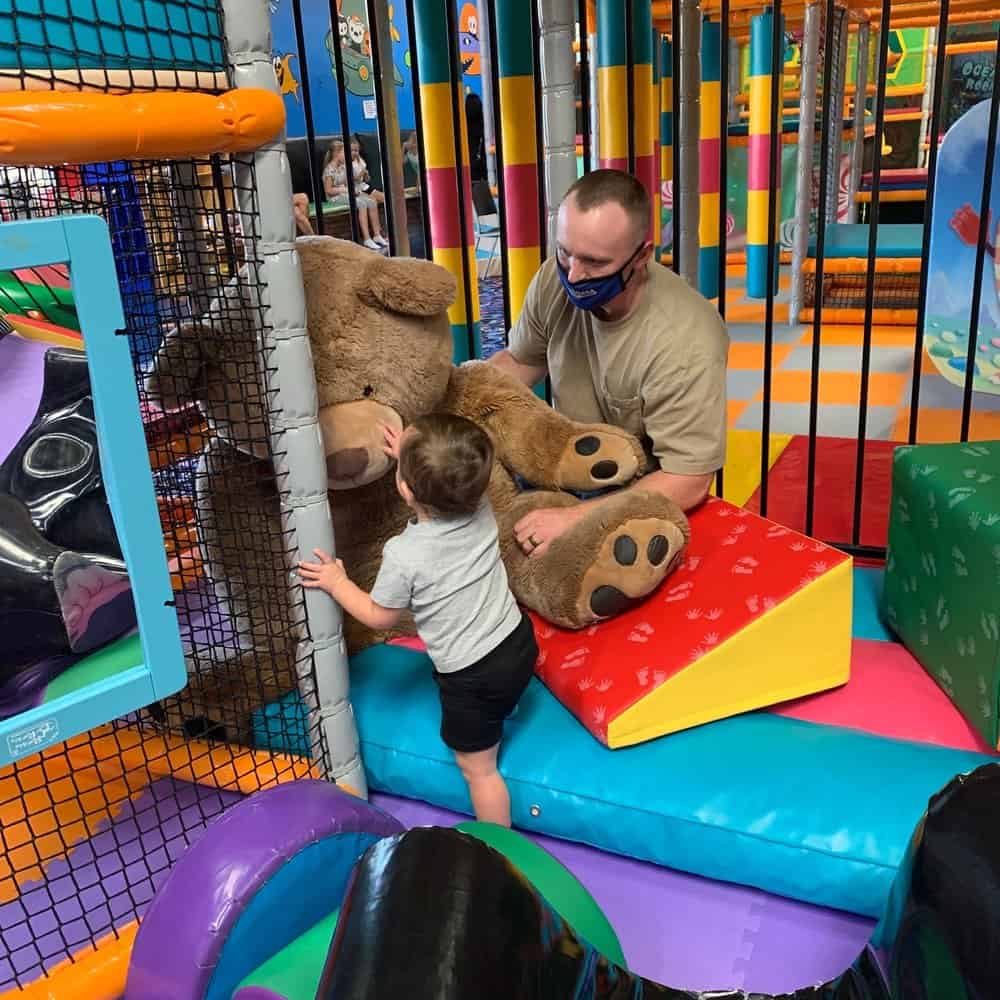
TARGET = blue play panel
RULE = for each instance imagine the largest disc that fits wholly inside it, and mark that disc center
(851, 240)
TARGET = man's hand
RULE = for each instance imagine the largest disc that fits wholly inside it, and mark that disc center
(328, 574)
(536, 531)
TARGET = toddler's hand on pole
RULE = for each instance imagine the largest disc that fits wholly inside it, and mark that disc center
(327, 574)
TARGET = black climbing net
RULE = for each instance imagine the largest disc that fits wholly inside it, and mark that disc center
(891, 290)
(90, 827)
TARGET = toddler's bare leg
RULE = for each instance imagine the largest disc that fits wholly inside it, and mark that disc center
(487, 789)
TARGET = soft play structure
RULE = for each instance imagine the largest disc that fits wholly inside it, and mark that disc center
(957, 231)
(86, 633)
(305, 893)
(733, 770)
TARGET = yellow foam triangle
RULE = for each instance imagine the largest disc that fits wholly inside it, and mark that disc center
(741, 474)
(799, 647)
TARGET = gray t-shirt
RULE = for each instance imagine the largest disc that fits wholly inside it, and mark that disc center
(448, 573)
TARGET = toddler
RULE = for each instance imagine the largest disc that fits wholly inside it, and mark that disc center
(445, 568)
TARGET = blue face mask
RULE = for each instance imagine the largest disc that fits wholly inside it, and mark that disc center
(592, 293)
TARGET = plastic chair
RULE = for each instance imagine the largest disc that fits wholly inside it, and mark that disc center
(484, 205)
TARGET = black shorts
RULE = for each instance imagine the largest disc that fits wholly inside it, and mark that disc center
(476, 700)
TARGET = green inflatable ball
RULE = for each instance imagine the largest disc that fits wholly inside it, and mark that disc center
(555, 883)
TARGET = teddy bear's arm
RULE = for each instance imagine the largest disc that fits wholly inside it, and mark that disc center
(535, 442)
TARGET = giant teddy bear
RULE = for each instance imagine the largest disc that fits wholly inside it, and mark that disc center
(382, 347)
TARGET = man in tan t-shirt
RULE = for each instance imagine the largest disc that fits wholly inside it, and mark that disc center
(625, 342)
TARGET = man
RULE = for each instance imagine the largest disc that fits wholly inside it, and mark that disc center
(625, 342)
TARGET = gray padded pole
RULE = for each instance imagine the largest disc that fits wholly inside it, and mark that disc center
(595, 104)
(836, 124)
(688, 198)
(486, 75)
(291, 387)
(804, 166)
(557, 24)
(858, 150)
(927, 101)
(734, 81)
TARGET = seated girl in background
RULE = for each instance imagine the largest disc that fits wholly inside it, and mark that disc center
(335, 188)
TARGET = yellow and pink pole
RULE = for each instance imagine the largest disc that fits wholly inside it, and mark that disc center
(612, 86)
(666, 61)
(517, 135)
(711, 150)
(759, 159)
(446, 163)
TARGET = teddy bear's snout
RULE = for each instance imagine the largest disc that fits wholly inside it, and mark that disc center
(348, 463)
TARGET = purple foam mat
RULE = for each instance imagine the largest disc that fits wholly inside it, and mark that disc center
(21, 371)
(693, 933)
(104, 881)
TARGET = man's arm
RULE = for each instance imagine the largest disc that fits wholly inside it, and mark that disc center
(528, 339)
(530, 375)
(685, 491)
(542, 526)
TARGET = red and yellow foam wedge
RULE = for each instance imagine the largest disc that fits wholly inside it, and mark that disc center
(40, 128)
(756, 615)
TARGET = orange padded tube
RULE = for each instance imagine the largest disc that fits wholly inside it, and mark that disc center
(42, 128)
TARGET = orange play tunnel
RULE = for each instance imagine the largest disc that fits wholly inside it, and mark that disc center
(47, 128)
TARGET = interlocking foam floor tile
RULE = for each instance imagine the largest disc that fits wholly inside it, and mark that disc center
(757, 614)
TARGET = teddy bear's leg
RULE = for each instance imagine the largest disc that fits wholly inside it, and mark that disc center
(614, 556)
(543, 447)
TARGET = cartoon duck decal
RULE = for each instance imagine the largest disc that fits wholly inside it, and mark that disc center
(285, 74)
(468, 39)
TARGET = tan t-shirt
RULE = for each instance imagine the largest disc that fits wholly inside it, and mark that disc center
(660, 373)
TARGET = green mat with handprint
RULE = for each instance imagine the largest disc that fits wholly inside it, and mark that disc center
(942, 580)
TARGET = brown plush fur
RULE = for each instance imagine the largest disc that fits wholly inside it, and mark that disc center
(381, 345)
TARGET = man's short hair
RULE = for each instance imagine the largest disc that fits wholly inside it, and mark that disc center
(602, 186)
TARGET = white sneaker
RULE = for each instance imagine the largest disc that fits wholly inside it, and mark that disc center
(381, 240)
(372, 245)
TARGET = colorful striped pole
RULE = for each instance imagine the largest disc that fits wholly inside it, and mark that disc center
(449, 184)
(710, 148)
(643, 128)
(667, 120)
(612, 86)
(759, 158)
(654, 119)
(517, 136)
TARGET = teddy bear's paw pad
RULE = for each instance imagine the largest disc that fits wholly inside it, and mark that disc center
(593, 461)
(632, 562)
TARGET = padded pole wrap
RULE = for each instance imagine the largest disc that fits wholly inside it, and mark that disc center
(291, 389)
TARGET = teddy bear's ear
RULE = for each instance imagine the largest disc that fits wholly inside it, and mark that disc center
(177, 366)
(407, 285)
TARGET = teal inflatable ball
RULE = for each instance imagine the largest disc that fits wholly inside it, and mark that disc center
(552, 880)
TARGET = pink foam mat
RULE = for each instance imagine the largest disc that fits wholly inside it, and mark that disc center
(889, 694)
